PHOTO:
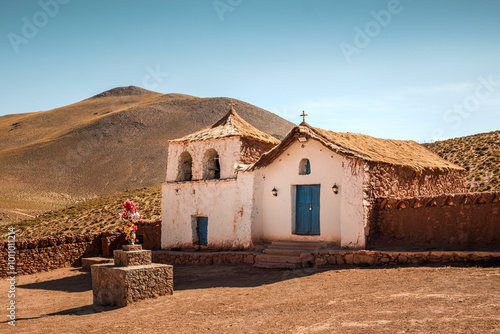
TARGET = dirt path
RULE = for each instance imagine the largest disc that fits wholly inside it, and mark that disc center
(241, 299)
(22, 213)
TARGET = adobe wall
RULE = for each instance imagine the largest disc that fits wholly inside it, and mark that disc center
(42, 254)
(224, 202)
(149, 234)
(227, 149)
(389, 181)
(252, 150)
(275, 215)
(458, 222)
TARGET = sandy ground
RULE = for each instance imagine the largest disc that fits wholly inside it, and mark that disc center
(241, 299)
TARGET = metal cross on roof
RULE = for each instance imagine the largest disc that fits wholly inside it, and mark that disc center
(232, 104)
(304, 115)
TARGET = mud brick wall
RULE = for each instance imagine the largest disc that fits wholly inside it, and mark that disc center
(389, 181)
(457, 222)
(252, 150)
(42, 254)
(149, 234)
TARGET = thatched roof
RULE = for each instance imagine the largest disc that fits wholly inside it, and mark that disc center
(230, 125)
(405, 153)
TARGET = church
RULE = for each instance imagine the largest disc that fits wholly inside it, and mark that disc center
(232, 186)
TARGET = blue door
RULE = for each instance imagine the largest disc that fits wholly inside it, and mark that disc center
(202, 230)
(307, 207)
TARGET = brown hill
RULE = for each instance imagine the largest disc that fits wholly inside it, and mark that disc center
(478, 154)
(114, 141)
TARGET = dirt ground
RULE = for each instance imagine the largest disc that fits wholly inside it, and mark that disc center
(241, 299)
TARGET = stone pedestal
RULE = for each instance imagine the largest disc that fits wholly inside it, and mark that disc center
(90, 261)
(132, 277)
(132, 258)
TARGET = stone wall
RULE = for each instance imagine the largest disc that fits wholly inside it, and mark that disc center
(332, 258)
(172, 257)
(381, 258)
(458, 222)
(149, 234)
(42, 254)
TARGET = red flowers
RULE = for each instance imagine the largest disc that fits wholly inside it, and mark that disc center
(129, 206)
(131, 215)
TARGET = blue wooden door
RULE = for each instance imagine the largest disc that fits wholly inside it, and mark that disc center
(307, 208)
(203, 230)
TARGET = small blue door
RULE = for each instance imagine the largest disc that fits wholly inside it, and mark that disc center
(202, 230)
(307, 207)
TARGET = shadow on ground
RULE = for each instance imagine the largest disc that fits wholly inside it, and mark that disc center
(83, 310)
(79, 283)
(192, 277)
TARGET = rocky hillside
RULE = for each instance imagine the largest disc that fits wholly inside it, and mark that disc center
(111, 142)
(478, 154)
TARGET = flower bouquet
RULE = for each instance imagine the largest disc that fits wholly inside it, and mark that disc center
(132, 216)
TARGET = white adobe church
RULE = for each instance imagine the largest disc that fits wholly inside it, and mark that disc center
(231, 186)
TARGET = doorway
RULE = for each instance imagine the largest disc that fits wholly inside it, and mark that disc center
(307, 209)
(202, 230)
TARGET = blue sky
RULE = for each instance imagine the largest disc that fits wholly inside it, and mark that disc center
(408, 69)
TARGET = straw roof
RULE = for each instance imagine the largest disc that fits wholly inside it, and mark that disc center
(230, 125)
(405, 153)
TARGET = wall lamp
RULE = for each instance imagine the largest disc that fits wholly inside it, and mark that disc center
(275, 191)
(335, 189)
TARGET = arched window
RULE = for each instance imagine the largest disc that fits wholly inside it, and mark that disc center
(211, 165)
(185, 167)
(304, 167)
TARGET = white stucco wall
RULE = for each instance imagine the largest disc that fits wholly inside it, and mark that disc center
(241, 209)
(227, 148)
(341, 215)
(353, 213)
(224, 202)
(276, 217)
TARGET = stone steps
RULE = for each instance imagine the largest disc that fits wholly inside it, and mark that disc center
(283, 251)
(287, 254)
(278, 258)
(299, 244)
(275, 265)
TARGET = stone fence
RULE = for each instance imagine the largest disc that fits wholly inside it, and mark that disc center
(42, 254)
(359, 258)
(448, 222)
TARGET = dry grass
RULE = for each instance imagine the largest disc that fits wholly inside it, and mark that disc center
(478, 154)
(91, 216)
(229, 126)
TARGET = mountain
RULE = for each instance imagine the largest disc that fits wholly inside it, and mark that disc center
(478, 154)
(111, 142)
